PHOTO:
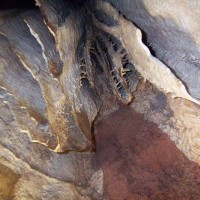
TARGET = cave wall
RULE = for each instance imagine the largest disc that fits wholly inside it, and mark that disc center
(66, 66)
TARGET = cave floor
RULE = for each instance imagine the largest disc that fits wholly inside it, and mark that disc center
(139, 161)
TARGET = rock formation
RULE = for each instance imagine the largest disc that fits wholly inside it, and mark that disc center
(100, 99)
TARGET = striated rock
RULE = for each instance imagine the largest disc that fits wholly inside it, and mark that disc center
(170, 33)
(41, 169)
(66, 66)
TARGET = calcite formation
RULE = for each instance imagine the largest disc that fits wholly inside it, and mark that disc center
(67, 65)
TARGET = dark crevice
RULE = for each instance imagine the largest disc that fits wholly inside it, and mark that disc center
(76, 4)
(145, 41)
(17, 4)
(96, 62)
(154, 52)
(144, 34)
(104, 18)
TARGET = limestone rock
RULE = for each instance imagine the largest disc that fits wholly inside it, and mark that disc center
(66, 66)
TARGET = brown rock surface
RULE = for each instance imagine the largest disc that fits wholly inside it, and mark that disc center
(8, 180)
(139, 161)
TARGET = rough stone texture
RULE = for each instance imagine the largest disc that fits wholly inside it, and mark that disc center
(148, 66)
(185, 136)
(171, 32)
(36, 172)
(139, 161)
(177, 117)
(65, 67)
(8, 179)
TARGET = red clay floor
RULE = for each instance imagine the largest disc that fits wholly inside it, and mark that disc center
(140, 162)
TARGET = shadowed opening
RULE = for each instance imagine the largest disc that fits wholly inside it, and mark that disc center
(17, 4)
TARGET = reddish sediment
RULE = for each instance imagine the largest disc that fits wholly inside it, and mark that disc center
(140, 162)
